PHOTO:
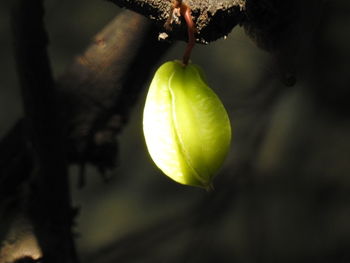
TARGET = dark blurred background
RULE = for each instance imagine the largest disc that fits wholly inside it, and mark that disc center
(283, 193)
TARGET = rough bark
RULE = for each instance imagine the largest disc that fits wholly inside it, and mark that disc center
(214, 18)
(284, 28)
(270, 23)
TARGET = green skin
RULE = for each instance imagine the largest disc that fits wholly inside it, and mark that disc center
(186, 127)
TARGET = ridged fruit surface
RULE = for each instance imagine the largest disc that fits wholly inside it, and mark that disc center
(186, 127)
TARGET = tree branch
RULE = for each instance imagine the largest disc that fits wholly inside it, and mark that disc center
(94, 99)
(274, 25)
(48, 201)
(100, 88)
(213, 18)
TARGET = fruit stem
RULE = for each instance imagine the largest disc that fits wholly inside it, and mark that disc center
(185, 11)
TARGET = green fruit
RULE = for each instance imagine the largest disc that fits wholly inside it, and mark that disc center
(186, 127)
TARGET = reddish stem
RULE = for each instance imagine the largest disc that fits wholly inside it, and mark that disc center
(185, 11)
